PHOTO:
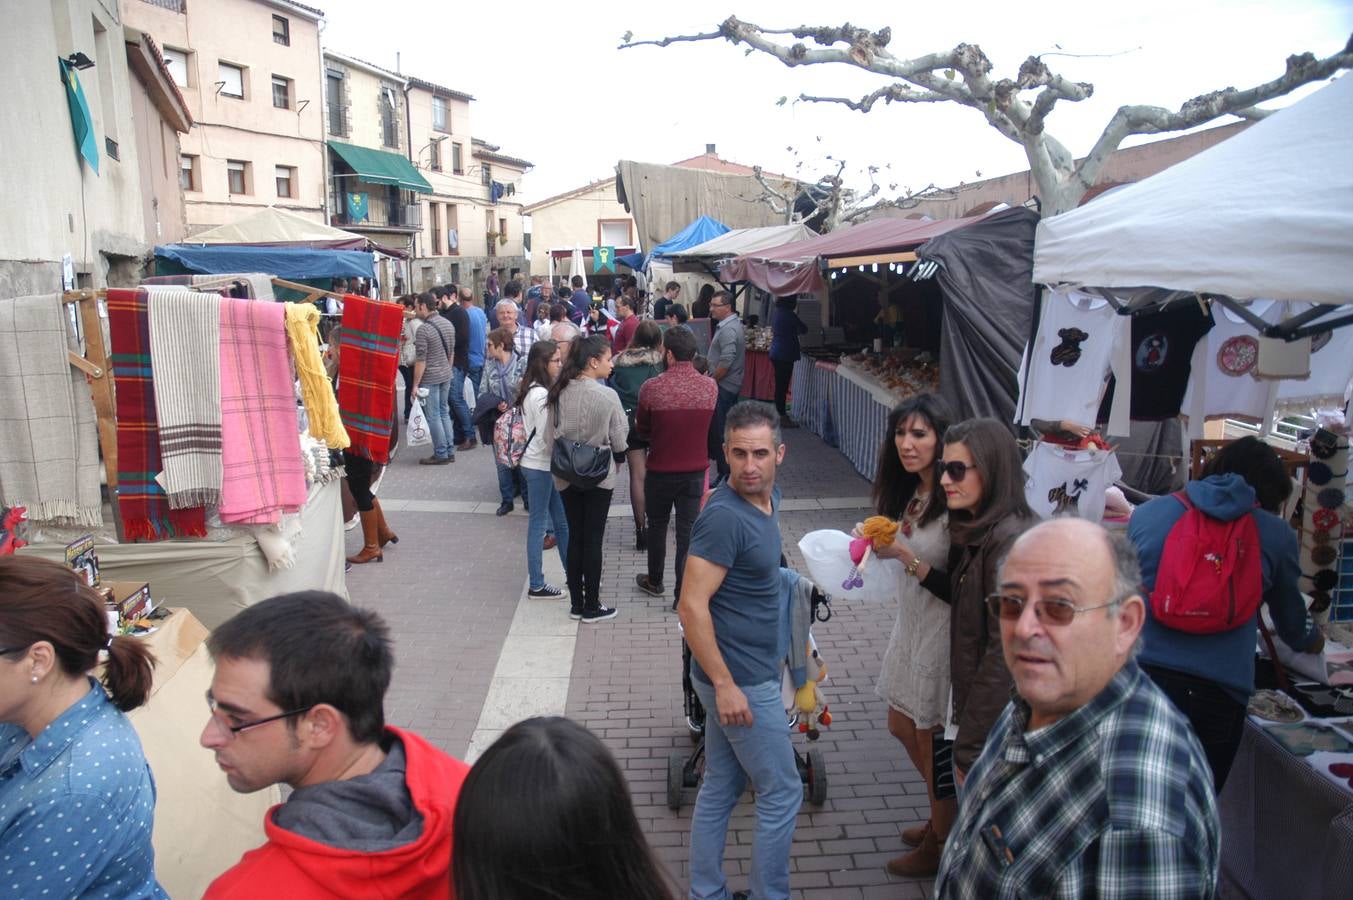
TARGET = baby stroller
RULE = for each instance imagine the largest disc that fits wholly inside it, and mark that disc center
(684, 770)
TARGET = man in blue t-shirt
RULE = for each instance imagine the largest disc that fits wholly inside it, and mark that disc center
(730, 609)
(579, 302)
(479, 332)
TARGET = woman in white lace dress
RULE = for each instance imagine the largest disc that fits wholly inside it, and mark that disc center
(914, 679)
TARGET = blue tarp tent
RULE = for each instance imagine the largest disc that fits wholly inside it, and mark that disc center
(701, 230)
(291, 263)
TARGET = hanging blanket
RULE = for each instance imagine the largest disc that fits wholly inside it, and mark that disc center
(263, 473)
(146, 515)
(367, 361)
(185, 341)
(49, 446)
(321, 407)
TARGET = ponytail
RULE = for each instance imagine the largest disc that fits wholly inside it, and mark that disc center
(129, 674)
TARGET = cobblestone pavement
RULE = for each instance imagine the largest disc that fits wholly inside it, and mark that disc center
(453, 585)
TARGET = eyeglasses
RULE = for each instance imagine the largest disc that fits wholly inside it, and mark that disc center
(222, 719)
(956, 469)
(1049, 612)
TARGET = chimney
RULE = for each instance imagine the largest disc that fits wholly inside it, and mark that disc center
(709, 150)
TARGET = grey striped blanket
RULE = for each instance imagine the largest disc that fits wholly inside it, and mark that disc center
(185, 343)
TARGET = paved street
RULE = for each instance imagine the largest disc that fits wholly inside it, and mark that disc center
(474, 654)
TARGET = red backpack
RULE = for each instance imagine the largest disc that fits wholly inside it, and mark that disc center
(1210, 578)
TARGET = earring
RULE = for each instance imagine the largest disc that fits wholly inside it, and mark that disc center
(35, 679)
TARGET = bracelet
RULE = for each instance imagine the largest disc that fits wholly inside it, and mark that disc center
(913, 567)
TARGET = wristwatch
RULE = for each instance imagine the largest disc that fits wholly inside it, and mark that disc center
(913, 567)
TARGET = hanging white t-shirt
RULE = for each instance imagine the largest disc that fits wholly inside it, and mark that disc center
(1067, 482)
(1063, 375)
(1228, 382)
(1331, 370)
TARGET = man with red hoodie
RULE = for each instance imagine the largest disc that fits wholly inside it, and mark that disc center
(298, 698)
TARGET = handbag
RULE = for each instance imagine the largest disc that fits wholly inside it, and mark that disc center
(485, 407)
(581, 465)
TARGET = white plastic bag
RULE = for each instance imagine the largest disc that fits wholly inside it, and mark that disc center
(417, 430)
(827, 554)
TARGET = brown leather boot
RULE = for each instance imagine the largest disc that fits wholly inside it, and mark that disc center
(913, 836)
(923, 862)
(382, 530)
(371, 549)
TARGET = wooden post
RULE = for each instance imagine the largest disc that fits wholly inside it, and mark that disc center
(99, 372)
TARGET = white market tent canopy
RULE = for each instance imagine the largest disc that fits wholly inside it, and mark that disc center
(1265, 214)
(278, 226)
(703, 257)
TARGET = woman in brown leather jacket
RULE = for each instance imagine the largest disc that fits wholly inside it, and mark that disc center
(983, 481)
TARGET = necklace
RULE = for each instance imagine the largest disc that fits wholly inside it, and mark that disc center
(913, 512)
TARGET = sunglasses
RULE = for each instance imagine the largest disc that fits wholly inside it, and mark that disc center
(956, 469)
(1049, 612)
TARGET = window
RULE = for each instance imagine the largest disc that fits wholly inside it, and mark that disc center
(435, 217)
(453, 234)
(486, 174)
(281, 31)
(435, 156)
(333, 99)
(613, 233)
(237, 176)
(188, 172)
(177, 63)
(441, 114)
(286, 180)
(502, 226)
(457, 159)
(281, 92)
(230, 79)
(389, 119)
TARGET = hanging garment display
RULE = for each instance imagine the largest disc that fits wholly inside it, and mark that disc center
(1161, 350)
(1064, 370)
(317, 394)
(185, 338)
(141, 499)
(1331, 371)
(367, 364)
(1228, 378)
(1069, 482)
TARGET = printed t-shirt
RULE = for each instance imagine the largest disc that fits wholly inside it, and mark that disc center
(746, 608)
(1161, 355)
(1064, 374)
(1067, 482)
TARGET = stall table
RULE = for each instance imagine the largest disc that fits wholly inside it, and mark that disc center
(758, 376)
(811, 393)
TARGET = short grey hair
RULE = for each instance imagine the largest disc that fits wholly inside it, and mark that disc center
(501, 304)
(570, 331)
(749, 414)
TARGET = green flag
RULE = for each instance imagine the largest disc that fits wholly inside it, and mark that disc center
(356, 207)
(603, 259)
(81, 122)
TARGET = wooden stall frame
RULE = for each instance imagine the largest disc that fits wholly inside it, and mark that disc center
(98, 370)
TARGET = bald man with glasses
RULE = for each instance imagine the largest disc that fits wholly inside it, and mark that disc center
(1091, 783)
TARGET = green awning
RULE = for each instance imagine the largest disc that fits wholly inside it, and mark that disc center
(380, 167)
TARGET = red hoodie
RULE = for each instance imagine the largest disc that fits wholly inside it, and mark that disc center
(297, 868)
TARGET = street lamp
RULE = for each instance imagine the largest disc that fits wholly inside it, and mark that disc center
(434, 142)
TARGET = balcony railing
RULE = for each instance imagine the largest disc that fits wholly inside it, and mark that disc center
(178, 6)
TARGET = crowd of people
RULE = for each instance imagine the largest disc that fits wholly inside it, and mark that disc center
(1072, 742)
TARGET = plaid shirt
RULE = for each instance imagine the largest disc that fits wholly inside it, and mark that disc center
(526, 336)
(1113, 801)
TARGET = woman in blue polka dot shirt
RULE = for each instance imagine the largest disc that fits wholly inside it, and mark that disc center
(76, 797)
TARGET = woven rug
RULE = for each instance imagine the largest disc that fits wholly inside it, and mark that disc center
(185, 338)
(146, 515)
(317, 392)
(367, 362)
(263, 474)
(49, 444)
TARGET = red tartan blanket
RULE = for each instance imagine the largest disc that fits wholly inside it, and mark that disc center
(146, 515)
(367, 362)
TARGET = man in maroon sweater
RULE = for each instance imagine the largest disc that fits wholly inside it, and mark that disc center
(629, 323)
(674, 413)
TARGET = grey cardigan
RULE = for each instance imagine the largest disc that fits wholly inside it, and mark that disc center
(589, 412)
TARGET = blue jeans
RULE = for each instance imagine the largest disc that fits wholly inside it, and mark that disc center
(475, 374)
(439, 420)
(460, 408)
(547, 512)
(733, 755)
(510, 481)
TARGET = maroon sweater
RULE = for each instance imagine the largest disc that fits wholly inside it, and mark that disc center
(674, 413)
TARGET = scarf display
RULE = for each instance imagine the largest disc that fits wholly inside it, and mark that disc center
(263, 474)
(302, 323)
(185, 335)
(367, 362)
(49, 457)
(146, 515)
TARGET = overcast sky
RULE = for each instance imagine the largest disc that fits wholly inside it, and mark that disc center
(551, 87)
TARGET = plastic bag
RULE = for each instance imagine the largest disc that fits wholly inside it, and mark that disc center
(417, 427)
(827, 555)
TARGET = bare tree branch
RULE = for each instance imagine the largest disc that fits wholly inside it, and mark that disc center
(900, 93)
(784, 206)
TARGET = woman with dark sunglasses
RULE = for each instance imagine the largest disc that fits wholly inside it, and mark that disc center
(982, 477)
(77, 801)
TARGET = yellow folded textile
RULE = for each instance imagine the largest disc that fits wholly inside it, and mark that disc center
(316, 393)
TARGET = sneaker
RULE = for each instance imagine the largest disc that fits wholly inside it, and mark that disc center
(575, 612)
(547, 591)
(503, 509)
(352, 523)
(647, 586)
(601, 613)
